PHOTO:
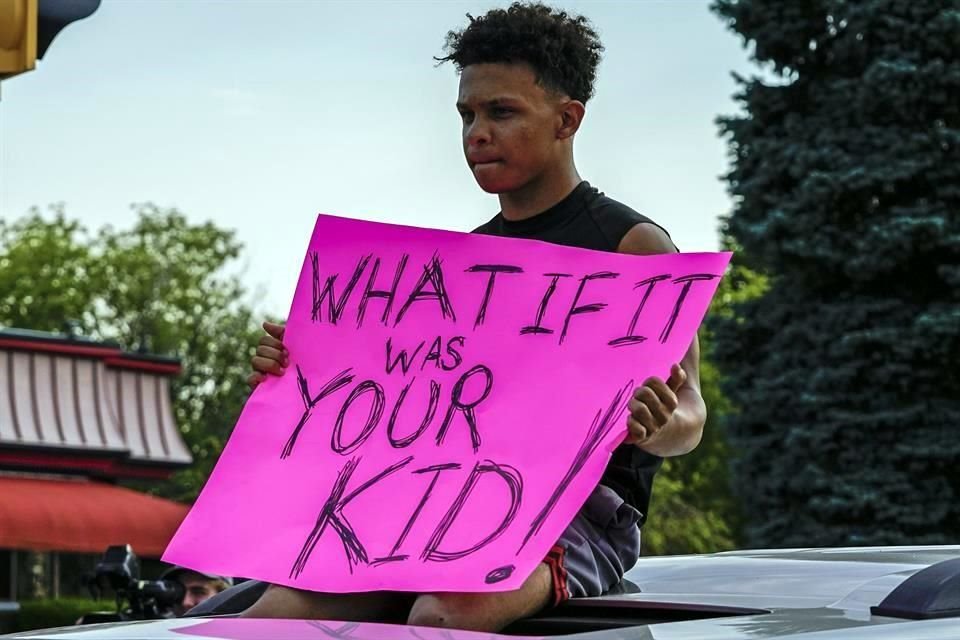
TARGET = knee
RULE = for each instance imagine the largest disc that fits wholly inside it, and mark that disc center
(441, 611)
(277, 602)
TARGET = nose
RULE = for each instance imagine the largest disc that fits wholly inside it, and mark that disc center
(477, 133)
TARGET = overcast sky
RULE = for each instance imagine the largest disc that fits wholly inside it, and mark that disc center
(260, 114)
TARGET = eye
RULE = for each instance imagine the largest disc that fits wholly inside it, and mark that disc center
(466, 116)
(501, 112)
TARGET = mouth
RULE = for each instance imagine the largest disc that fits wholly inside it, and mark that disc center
(484, 162)
(477, 158)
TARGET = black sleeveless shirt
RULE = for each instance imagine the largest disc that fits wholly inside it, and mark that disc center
(588, 219)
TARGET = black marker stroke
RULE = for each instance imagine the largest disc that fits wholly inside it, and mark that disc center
(603, 422)
(334, 306)
(373, 418)
(436, 469)
(687, 283)
(433, 274)
(499, 574)
(387, 294)
(630, 337)
(332, 515)
(537, 327)
(493, 270)
(343, 632)
(514, 482)
(338, 381)
(467, 408)
(402, 358)
(400, 443)
(376, 562)
(585, 308)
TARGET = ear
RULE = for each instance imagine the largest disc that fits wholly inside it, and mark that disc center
(571, 115)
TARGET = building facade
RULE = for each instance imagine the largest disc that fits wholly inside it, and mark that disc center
(76, 417)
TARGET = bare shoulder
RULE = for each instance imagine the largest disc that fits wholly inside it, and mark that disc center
(646, 239)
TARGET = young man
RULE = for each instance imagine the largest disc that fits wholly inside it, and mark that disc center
(526, 73)
(197, 587)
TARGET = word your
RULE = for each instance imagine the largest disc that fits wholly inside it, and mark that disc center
(338, 444)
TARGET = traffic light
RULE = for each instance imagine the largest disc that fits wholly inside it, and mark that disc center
(27, 27)
(18, 36)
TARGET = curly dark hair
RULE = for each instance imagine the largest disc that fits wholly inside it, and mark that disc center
(564, 50)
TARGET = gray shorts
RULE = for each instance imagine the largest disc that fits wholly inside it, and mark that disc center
(598, 547)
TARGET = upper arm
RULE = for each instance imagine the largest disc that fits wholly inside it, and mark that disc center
(646, 239)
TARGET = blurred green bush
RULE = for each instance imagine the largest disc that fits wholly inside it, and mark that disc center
(59, 612)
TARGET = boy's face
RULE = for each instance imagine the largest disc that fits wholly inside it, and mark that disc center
(510, 125)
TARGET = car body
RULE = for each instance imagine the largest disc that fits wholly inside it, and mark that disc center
(877, 593)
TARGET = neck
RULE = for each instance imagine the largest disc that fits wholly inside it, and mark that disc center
(540, 194)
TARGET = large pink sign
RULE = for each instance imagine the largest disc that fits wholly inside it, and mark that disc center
(451, 401)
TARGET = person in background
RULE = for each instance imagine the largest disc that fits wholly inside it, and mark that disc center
(197, 587)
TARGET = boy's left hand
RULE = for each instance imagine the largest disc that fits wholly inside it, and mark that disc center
(652, 406)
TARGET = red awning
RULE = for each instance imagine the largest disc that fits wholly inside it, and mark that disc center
(83, 516)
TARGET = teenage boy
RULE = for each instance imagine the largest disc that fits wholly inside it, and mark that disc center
(526, 73)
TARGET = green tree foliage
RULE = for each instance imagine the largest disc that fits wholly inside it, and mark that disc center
(43, 267)
(846, 182)
(159, 286)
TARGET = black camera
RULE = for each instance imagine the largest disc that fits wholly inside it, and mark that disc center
(119, 571)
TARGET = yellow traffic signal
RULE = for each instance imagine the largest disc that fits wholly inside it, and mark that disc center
(18, 36)
(27, 27)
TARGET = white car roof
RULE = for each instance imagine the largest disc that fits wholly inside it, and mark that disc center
(800, 594)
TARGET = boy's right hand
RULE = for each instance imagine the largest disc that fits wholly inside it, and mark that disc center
(271, 357)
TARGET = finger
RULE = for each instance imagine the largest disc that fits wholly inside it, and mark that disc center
(661, 415)
(269, 341)
(677, 377)
(649, 383)
(648, 398)
(274, 329)
(664, 394)
(267, 365)
(641, 407)
(643, 416)
(254, 379)
(638, 433)
(273, 354)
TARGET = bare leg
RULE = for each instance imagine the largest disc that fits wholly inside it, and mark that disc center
(284, 602)
(484, 611)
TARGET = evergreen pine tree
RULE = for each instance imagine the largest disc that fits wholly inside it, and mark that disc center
(846, 185)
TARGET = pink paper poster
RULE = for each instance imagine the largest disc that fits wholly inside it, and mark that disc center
(451, 401)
